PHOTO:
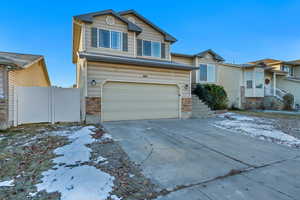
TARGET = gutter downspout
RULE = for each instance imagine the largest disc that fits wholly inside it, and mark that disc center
(274, 84)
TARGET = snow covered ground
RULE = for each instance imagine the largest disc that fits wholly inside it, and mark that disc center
(72, 176)
(262, 128)
(7, 183)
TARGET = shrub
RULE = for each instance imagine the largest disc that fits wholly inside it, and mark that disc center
(213, 95)
(288, 101)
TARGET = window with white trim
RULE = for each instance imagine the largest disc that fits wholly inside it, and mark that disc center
(207, 73)
(259, 79)
(249, 79)
(151, 48)
(288, 69)
(110, 39)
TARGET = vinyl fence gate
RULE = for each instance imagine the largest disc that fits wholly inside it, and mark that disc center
(46, 104)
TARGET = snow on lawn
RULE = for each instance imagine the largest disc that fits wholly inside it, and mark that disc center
(261, 128)
(77, 182)
(7, 183)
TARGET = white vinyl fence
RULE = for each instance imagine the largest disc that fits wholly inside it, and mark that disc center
(46, 104)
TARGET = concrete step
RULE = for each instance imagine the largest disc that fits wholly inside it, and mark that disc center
(200, 109)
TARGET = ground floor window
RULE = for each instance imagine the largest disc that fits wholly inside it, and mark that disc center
(288, 69)
(207, 73)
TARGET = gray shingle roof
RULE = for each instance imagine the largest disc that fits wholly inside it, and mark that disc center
(216, 56)
(88, 18)
(17, 59)
(168, 37)
(201, 54)
(96, 57)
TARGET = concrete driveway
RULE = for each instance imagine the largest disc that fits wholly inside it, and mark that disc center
(190, 159)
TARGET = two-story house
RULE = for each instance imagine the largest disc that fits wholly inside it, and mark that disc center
(125, 70)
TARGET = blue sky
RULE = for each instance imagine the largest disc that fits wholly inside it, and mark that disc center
(240, 31)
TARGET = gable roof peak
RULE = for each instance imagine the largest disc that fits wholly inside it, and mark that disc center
(168, 37)
(88, 18)
(210, 51)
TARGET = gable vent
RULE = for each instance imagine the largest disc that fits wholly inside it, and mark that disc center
(110, 20)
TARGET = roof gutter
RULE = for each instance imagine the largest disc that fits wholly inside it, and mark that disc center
(135, 61)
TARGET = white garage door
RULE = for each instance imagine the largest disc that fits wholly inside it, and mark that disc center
(132, 101)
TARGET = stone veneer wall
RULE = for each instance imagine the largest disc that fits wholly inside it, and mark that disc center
(254, 103)
(3, 114)
(92, 109)
(186, 107)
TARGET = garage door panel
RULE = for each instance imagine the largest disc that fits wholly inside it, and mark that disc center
(141, 107)
(131, 101)
(141, 99)
(137, 116)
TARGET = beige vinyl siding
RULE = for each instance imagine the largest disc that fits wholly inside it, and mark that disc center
(290, 86)
(31, 76)
(297, 71)
(149, 33)
(2, 82)
(277, 67)
(132, 101)
(183, 60)
(100, 23)
(101, 72)
(231, 79)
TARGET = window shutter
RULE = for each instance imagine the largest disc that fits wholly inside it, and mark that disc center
(125, 41)
(163, 50)
(139, 47)
(94, 37)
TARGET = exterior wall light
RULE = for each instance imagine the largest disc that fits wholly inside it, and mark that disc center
(186, 86)
(93, 83)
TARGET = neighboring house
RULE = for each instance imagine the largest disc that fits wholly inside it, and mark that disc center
(211, 70)
(281, 77)
(18, 70)
(255, 85)
(125, 70)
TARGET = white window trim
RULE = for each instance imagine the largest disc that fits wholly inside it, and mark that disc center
(254, 90)
(110, 40)
(152, 41)
(198, 73)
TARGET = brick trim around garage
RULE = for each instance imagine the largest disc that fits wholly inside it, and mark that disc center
(186, 105)
(3, 114)
(93, 105)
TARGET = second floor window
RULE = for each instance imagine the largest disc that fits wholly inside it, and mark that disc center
(150, 48)
(207, 73)
(110, 39)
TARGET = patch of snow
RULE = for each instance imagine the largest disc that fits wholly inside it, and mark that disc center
(105, 137)
(76, 182)
(7, 183)
(261, 128)
(83, 182)
(131, 175)
(236, 116)
(32, 194)
(114, 197)
(100, 159)
(76, 151)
